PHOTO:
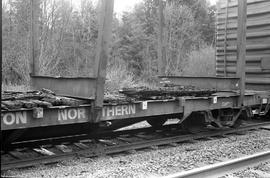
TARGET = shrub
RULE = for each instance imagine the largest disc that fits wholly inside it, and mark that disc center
(118, 76)
(201, 62)
(10, 87)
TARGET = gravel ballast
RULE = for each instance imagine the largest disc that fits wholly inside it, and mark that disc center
(262, 170)
(152, 163)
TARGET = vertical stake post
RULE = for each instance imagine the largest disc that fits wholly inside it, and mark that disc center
(241, 48)
(102, 53)
(161, 47)
(33, 55)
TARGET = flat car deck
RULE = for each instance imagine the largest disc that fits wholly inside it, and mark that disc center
(63, 115)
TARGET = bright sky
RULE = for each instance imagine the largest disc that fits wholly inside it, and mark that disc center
(125, 5)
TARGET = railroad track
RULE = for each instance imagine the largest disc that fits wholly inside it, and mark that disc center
(223, 168)
(94, 135)
(123, 141)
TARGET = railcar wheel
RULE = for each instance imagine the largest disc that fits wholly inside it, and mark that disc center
(156, 122)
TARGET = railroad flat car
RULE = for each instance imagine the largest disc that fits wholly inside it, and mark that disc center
(225, 107)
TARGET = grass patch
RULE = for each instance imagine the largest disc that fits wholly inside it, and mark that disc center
(11, 87)
(201, 63)
(118, 77)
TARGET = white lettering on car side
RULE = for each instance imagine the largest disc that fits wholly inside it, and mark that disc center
(71, 114)
(132, 109)
(118, 111)
(15, 118)
(125, 110)
(111, 111)
(81, 113)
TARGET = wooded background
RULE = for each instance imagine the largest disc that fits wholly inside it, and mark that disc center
(68, 35)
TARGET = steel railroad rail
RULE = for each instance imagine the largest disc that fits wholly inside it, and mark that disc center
(223, 168)
(26, 157)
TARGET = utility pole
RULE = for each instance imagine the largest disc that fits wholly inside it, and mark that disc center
(241, 48)
(161, 47)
